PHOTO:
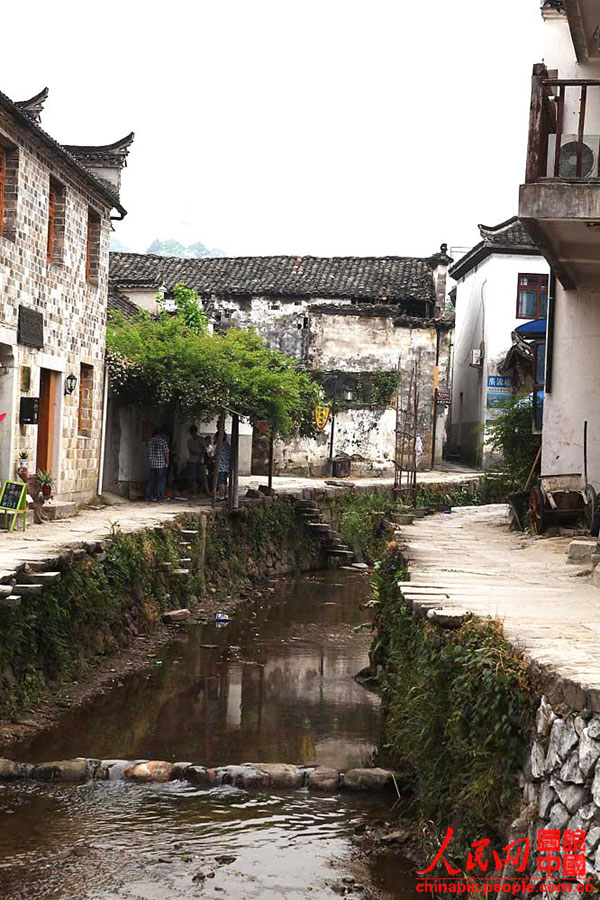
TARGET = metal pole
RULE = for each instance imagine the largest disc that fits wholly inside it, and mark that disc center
(333, 412)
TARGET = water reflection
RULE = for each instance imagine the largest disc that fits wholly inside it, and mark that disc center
(276, 685)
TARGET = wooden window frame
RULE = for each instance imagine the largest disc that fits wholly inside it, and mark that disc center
(92, 246)
(52, 202)
(542, 283)
(85, 410)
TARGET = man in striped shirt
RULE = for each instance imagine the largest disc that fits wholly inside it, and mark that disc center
(158, 462)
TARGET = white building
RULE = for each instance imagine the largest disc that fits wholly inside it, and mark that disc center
(560, 205)
(502, 282)
(351, 320)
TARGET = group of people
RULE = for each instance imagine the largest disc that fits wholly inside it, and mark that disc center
(199, 472)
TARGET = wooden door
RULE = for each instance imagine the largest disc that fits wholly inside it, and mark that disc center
(46, 420)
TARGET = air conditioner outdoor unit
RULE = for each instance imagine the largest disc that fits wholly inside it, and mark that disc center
(475, 358)
(568, 156)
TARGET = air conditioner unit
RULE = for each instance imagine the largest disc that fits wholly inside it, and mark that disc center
(568, 156)
(476, 359)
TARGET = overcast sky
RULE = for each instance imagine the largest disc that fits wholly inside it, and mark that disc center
(280, 127)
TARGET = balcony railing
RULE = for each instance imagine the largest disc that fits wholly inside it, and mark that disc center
(556, 153)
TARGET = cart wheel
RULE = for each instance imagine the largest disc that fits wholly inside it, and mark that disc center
(592, 512)
(537, 510)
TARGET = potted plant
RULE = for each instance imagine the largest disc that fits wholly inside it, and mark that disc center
(23, 465)
(46, 482)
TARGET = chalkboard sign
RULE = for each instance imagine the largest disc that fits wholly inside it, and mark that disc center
(13, 499)
(12, 494)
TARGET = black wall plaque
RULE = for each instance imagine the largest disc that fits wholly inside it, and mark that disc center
(29, 410)
(31, 327)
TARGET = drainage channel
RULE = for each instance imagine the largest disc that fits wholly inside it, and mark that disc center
(275, 684)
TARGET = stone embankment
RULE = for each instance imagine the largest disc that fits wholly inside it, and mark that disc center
(561, 777)
(248, 776)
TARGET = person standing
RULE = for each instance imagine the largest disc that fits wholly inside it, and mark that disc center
(196, 471)
(158, 462)
(209, 461)
(224, 467)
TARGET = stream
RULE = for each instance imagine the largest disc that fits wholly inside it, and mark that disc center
(275, 685)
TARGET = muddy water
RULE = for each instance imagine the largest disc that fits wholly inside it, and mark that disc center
(275, 685)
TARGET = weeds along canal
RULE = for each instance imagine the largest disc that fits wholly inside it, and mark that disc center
(274, 685)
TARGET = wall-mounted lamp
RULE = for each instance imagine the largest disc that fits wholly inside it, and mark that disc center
(70, 384)
(348, 395)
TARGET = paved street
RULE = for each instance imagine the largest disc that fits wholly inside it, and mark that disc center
(470, 560)
(45, 541)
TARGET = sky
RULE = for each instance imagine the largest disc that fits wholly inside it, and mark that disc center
(323, 127)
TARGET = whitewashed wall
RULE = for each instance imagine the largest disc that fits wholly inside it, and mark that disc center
(486, 305)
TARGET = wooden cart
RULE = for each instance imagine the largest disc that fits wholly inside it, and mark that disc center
(561, 500)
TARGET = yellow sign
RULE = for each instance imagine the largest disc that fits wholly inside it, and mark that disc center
(321, 414)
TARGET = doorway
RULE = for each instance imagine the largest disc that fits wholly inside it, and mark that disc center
(47, 420)
(7, 405)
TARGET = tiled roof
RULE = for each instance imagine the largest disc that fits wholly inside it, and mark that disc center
(507, 237)
(383, 278)
(25, 117)
(509, 234)
(118, 303)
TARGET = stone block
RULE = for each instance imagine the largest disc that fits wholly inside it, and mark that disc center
(200, 776)
(282, 776)
(174, 616)
(153, 770)
(324, 779)
(563, 738)
(12, 771)
(62, 770)
(367, 779)
(589, 751)
(544, 717)
(580, 550)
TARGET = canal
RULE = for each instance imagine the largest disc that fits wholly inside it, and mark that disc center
(274, 685)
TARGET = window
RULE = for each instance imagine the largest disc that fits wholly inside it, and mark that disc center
(86, 396)
(92, 252)
(9, 167)
(532, 296)
(56, 222)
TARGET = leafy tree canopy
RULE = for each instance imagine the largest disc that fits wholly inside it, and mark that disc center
(172, 247)
(174, 360)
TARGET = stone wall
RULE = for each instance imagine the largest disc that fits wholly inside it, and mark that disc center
(73, 308)
(561, 777)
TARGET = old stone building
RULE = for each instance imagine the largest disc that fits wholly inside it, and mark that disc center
(56, 206)
(352, 320)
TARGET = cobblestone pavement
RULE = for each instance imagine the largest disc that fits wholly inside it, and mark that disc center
(469, 560)
(45, 541)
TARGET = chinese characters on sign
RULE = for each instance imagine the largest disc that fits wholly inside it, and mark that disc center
(561, 866)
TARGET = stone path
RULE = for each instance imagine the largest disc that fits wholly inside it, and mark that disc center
(469, 560)
(41, 542)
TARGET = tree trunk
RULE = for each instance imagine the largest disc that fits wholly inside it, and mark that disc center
(221, 435)
(234, 462)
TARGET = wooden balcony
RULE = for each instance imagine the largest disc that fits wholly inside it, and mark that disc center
(560, 200)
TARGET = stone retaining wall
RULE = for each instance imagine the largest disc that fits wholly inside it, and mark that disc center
(561, 777)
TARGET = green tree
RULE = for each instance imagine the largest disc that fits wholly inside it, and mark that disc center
(509, 434)
(173, 360)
